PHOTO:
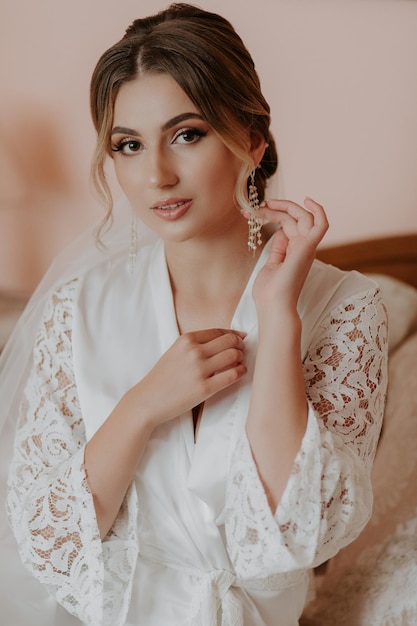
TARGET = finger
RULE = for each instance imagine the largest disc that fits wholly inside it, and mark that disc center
(288, 215)
(278, 249)
(224, 360)
(288, 207)
(311, 218)
(228, 341)
(293, 224)
(222, 379)
(320, 217)
(311, 208)
(209, 334)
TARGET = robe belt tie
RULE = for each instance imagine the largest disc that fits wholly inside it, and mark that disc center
(215, 590)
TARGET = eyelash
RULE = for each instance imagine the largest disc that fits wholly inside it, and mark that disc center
(120, 145)
(195, 132)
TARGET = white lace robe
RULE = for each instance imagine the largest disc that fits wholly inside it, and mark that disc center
(195, 542)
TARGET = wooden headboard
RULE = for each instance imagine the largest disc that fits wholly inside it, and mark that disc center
(395, 256)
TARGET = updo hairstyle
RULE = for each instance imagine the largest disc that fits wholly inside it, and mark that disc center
(203, 53)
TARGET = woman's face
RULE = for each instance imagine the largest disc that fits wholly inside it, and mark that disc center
(177, 174)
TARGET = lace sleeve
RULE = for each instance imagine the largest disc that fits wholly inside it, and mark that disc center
(328, 497)
(373, 580)
(50, 506)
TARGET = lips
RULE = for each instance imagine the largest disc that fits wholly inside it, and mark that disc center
(172, 208)
(168, 207)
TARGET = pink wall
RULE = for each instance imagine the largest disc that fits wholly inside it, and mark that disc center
(340, 76)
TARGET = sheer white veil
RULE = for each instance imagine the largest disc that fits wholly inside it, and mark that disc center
(15, 363)
(74, 261)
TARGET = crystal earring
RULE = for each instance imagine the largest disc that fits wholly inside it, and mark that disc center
(133, 248)
(254, 223)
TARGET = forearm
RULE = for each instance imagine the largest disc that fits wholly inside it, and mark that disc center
(112, 456)
(210, 360)
(278, 408)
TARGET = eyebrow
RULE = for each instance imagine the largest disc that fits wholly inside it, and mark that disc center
(169, 124)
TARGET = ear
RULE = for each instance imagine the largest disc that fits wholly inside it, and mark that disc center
(258, 146)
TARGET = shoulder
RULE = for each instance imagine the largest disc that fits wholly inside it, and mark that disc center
(116, 272)
(95, 284)
(115, 295)
(346, 281)
(111, 274)
(331, 293)
(327, 287)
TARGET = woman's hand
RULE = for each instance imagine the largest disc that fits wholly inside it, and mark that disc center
(293, 249)
(278, 410)
(195, 367)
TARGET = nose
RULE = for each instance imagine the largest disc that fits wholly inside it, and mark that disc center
(161, 171)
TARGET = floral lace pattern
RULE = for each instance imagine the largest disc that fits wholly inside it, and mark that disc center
(325, 504)
(328, 498)
(373, 580)
(63, 547)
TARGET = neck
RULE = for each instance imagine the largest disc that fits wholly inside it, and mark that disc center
(209, 269)
(208, 280)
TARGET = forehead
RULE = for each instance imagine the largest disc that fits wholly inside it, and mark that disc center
(151, 99)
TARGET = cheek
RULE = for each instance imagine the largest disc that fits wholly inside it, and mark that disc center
(132, 186)
(119, 171)
(127, 175)
(226, 182)
(220, 173)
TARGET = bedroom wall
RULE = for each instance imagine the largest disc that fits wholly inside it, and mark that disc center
(339, 74)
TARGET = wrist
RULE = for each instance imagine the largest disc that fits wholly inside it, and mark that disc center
(279, 321)
(140, 417)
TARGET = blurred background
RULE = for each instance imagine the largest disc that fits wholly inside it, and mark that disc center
(340, 76)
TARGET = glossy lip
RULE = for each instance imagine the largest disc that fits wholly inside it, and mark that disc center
(174, 213)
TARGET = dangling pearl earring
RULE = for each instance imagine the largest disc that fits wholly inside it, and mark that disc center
(133, 248)
(254, 224)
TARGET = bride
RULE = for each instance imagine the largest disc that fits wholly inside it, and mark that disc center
(197, 399)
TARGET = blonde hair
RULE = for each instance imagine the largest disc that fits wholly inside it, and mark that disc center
(203, 53)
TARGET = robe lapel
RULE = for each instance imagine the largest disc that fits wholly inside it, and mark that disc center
(225, 414)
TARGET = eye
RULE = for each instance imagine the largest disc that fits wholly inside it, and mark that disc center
(127, 146)
(188, 135)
